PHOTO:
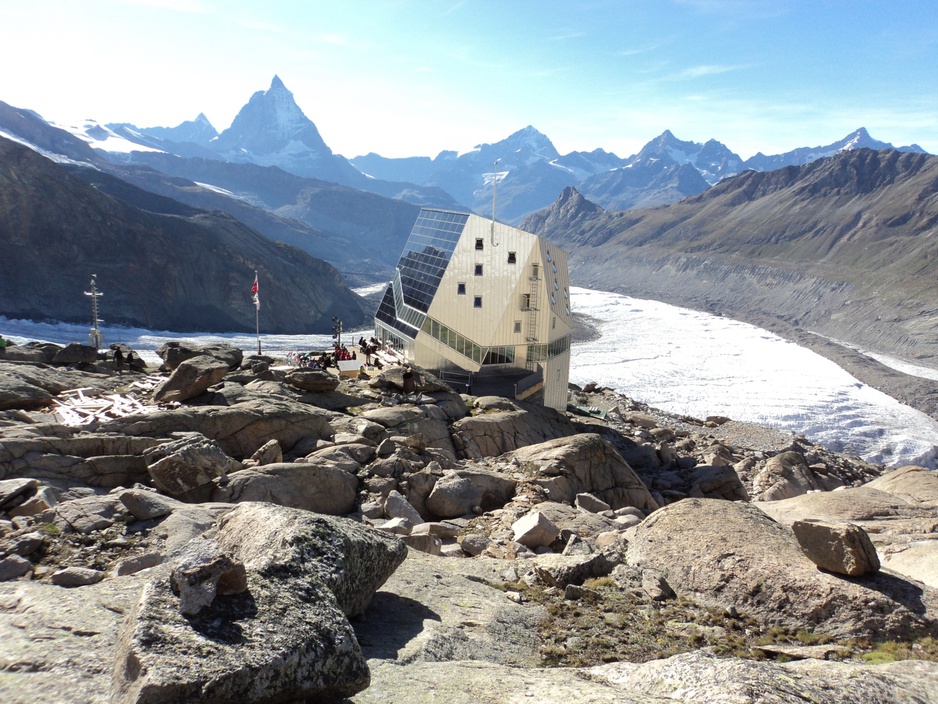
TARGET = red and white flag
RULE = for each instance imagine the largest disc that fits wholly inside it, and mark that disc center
(257, 301)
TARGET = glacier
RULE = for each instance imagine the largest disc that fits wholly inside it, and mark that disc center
(676, 359)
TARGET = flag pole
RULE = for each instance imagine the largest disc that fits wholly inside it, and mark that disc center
(257, 314)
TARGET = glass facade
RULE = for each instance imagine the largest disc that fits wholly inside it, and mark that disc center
(468, 348)
(541, 353)
(421, 266)
(453, 340)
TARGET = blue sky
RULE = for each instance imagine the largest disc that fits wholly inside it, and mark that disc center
(414, 77)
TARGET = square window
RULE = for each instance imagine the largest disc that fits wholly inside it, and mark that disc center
(477, 302)
(478, 270)
(478, 243)
(512, 258)
(517, 326)
(461, 289)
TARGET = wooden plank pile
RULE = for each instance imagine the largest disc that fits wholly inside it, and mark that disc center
(75, 407)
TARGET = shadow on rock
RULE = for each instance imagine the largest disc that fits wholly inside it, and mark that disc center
(389, 624)
(904, 591)
(219, 621)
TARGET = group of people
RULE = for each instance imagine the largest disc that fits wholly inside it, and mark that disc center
(368, 348)
(340, 353)
(120, 360)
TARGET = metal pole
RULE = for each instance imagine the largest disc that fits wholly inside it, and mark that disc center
(494, 188)
(257, 314)
(94, 338)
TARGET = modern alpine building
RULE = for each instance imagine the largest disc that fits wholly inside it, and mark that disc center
(474, 297)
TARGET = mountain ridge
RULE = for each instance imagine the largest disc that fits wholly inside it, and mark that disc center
(843, 246)
(329, 221)
(271, 130)
(150, 254)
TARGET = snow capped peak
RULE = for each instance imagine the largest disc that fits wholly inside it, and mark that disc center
(530, 132)
(712, 159)
(198, 131)
(277, 103)
(277, 84)
(271, 129)
(856, 138)
(102, 137)
(525, 145)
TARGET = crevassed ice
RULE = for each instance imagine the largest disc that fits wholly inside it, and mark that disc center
(671, 358)
(698, 364)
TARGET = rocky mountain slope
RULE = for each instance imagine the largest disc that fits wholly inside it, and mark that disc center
(280, 534)
(359, 232)
(843, 247)
(162, 264)
(644, 183)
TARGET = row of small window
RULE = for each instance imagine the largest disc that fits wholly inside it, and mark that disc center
(461, 291)
(543, 352)
(466, 347)
(526, 302)
(480, 245)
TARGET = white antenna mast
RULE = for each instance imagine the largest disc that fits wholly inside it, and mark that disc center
(494, 188)
(95, 338)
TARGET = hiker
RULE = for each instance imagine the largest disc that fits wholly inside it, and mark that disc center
(119, 361)
(3, 344)
(130, 361)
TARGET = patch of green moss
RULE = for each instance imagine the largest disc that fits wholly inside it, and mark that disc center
(891, 651)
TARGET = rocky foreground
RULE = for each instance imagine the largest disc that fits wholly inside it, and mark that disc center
(228, 529)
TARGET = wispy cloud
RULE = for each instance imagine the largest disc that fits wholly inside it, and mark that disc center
(636, 51)
(454, 8)
(334, 39)
(749, 8)
(567, 36)
(259, 26)
(330, 38)
(175, 5)
(705, 70)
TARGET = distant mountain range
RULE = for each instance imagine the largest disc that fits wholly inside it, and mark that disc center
(843, 246)
(359, 232)
(272, 131)
(162, 264)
